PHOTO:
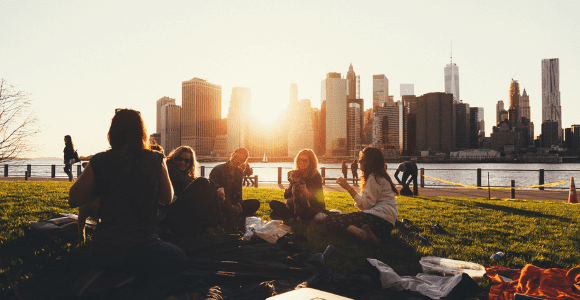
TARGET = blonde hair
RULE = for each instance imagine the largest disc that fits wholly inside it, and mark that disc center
(312, 161)
(177, 152)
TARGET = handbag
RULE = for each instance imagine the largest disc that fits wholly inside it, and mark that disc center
(77, 159)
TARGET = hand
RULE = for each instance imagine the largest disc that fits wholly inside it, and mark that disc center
(238, 207)
(221, 193)
(343, 183)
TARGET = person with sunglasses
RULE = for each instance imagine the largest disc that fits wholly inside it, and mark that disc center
(195, 209)
(308, 186)
(228, 178)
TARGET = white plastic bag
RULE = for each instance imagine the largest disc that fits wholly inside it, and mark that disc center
(446, 267)
(270, 231)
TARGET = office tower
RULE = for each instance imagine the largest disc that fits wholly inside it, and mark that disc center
(389, 128)
(293, 94)
(170, 127)
(380, 90)
(238, 114)
(334, 93)
(575, 137)
(407, 89)
(514, 96)
(201, 112)
(318, 124)
(300, 128)
(499, 108)
(551, 109)
(435, 122)
(462, 126)
(410, 105)
(358, 86)
(525, 105)
(550, 131)
(474, 141)
(452, 80)
(355, 125)
(160, 103)
(350, 83)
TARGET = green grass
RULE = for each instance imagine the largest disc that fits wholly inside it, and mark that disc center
(542, 233)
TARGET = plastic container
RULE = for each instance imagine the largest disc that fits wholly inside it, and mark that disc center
(497, 256)
(447, 267)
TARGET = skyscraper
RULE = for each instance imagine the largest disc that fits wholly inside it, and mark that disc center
(514, 94)
(300, 129)
(238, 113)
(354, 125)
(499, 108)
(200, 114)
(293, 94)
(435, 123)
(350, 83)
(407, 89)
(334, 93)
(525, 105)
(160, 104)
(380, 90)
(551, 109)
(452, 80)
(170, 127)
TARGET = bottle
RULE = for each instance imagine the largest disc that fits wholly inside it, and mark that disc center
(497, 256)
(420, 238)
(329, 250)
(249, 233)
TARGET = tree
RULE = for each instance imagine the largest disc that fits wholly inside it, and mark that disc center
(17, 122)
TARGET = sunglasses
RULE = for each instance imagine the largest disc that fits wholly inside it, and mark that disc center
(178, 159)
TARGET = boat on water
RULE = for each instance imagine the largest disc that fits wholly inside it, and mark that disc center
(265, 159)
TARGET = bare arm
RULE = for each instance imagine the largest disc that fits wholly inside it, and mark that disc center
(81, 189)
(165, 187)
(345, 185)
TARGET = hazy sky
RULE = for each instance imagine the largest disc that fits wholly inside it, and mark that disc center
(80, 60)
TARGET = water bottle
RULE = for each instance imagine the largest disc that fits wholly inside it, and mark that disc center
(420, 238)
(329, 250)
(497, 256)
(249, 233)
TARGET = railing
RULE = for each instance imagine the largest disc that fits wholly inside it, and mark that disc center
(269, 175)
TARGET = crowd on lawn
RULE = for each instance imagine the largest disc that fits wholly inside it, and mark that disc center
(141, 193)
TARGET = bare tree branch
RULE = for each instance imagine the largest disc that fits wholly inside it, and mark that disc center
(17, 122)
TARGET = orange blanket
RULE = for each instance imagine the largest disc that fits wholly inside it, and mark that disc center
(536, 282)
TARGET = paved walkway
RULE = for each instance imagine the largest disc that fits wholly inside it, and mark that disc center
(528, 194)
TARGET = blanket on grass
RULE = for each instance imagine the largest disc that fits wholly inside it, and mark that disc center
(557, 284)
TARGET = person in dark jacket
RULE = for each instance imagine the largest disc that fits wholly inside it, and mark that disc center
(131, 181)
(354, 168)
(69, 156)
(305, 190)
(228, 178)
(195, 208)
(410, 172)
(344, 169)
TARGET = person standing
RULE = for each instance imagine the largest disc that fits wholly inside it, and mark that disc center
(377, 202)
(70, 156)
(410, 172)
(344, 169)
(228, 178)
(354, 169)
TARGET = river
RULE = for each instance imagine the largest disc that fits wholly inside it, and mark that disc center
(500, 174)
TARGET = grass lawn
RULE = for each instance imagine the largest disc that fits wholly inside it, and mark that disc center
(545, 234)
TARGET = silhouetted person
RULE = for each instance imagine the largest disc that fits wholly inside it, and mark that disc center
(354, 169)
(409, 169)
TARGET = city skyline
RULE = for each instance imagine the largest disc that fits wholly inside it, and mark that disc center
(80, 61)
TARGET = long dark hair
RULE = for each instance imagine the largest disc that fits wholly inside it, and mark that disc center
(68, 141)
(127, 129)
(375, 164)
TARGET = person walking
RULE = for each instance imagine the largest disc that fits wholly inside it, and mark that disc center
(70, 156)
(344, 169)
(354, 169)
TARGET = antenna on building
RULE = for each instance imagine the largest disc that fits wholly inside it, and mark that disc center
(452, 52)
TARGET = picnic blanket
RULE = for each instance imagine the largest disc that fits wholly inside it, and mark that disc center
(533, 281)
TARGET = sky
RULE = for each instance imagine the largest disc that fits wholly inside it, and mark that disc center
(79, 60)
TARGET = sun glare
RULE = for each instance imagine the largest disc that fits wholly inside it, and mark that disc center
(266, 117)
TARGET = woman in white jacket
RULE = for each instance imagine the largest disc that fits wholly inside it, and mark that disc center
(377, 202)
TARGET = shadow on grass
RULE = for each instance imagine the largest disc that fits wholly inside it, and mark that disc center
(508, 210)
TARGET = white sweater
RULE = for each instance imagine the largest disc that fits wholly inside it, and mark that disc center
(378, 198)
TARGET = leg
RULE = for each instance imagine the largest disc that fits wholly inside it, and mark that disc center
(250, 206)
(280, 210)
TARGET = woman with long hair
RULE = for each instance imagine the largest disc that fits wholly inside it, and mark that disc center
(305, 196)
(377, 202)
(69, 156)
(196, 207)
(131, 181)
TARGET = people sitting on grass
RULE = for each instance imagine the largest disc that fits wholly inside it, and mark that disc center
(304, 196)
(196, 208)
(228, 178)
(130, 181)
(376, 201)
